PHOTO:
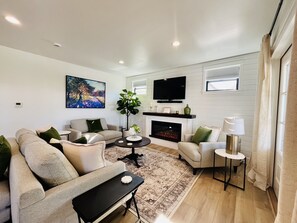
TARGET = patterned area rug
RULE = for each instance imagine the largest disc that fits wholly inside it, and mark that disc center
(167, 180)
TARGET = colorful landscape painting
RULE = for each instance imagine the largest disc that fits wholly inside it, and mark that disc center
(84, 93)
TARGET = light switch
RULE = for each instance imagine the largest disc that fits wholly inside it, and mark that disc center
(18, 104)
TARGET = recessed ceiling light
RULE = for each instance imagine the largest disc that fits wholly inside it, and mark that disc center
(57, 45)
(175, 43)
(121, 62)
(12, 20)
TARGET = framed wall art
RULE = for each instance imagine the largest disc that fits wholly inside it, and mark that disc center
(84, 93)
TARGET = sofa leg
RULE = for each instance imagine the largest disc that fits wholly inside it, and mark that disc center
(194, 171)
(179, 156)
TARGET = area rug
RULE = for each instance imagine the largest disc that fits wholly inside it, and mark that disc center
(167, 180)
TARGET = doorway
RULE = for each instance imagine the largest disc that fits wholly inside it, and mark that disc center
(281, 118)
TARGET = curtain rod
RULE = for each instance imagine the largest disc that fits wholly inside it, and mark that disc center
(275, 16)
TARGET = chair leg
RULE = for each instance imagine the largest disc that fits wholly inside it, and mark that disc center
(194, 171)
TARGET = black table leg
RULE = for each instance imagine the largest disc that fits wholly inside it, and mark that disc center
(133, 197)
(132, 156)
(78, 218)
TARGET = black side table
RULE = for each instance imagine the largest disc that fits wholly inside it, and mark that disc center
(92, 204)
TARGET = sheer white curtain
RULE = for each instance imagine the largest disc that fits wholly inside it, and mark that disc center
(259, 172)
(287, 203)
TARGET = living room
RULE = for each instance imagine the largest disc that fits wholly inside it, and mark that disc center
(33, 76)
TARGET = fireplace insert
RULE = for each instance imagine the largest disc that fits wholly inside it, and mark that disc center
(166, 130)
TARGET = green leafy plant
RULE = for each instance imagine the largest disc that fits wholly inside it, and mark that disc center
(136, 128)
(127, 104)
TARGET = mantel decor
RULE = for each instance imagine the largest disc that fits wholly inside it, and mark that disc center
(84, 93)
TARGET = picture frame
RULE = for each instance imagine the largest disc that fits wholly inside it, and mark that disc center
(166, 110)
(84, 93)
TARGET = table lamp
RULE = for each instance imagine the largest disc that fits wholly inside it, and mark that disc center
(233, 127)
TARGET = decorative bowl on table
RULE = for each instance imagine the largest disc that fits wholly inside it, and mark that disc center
(134, 138)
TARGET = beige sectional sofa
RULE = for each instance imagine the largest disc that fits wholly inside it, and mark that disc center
(31, 201)
(79, 128)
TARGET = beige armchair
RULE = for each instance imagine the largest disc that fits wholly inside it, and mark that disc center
(199, 156)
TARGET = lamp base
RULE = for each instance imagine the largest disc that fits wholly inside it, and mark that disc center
(232, 144)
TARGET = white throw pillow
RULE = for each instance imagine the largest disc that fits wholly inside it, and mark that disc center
(85, 157)
(215, 133)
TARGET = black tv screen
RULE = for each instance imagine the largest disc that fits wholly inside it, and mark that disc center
(170, 88)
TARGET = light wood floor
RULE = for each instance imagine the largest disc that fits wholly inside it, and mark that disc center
(208, 202)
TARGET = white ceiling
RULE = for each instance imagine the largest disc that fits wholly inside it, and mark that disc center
(99, 33)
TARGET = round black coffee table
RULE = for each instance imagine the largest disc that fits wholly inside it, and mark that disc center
(123, 142)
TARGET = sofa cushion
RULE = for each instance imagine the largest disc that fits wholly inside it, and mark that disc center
(49, 164)
(93, 137)
(27, 139)
(85, 157)
(4, 194)
(103, 123)
(215, 133)
(49, 134)
(191, 150)
(5, 155)
(79, 124)
(94, 125)
(201, 135)
(110, 134)
(23, 131)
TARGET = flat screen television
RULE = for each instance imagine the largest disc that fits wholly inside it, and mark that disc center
(170, 89)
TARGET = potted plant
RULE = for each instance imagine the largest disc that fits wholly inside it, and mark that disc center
(127, 104)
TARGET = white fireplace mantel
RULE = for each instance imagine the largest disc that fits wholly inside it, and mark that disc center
(185, 120)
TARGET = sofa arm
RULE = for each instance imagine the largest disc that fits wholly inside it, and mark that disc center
(74, 134)
(57, 203)
(113, 127)
(188, 137)
(207, 149)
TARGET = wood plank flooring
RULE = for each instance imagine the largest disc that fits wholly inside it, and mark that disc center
(208, 202)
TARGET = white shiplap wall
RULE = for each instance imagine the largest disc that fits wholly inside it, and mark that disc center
(210, 108)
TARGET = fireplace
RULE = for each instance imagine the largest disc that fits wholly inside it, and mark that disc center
(166, 130)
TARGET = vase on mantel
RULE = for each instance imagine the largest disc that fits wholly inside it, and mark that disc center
(187, 110)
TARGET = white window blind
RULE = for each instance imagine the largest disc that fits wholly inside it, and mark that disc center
(222, 78)
(139, 87)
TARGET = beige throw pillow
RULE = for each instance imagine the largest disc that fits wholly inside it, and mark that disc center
(215, 133)
(85, 157)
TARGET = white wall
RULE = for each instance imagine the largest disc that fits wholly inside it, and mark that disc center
(210, 108)
(39, 83)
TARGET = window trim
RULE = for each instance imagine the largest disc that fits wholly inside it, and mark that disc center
(219, 80)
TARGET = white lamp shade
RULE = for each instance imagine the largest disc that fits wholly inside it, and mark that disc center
(233, 126)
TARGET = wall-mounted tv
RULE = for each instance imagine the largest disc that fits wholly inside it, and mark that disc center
(170, 89)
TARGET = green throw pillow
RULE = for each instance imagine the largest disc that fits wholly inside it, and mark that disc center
(5, 155)
(94, 125)
(82, 140)
(201, 135)
(49, 134)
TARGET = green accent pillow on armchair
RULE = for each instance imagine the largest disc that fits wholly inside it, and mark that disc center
(5, 155)
(201, 135)
(94, 125)
(49, 134)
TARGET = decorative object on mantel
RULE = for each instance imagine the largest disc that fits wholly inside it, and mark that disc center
(187, 110)
(127, 104)
(166, 110)
(233, 127)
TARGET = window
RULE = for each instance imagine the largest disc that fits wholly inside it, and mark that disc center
(139, 87)
(222, 79)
